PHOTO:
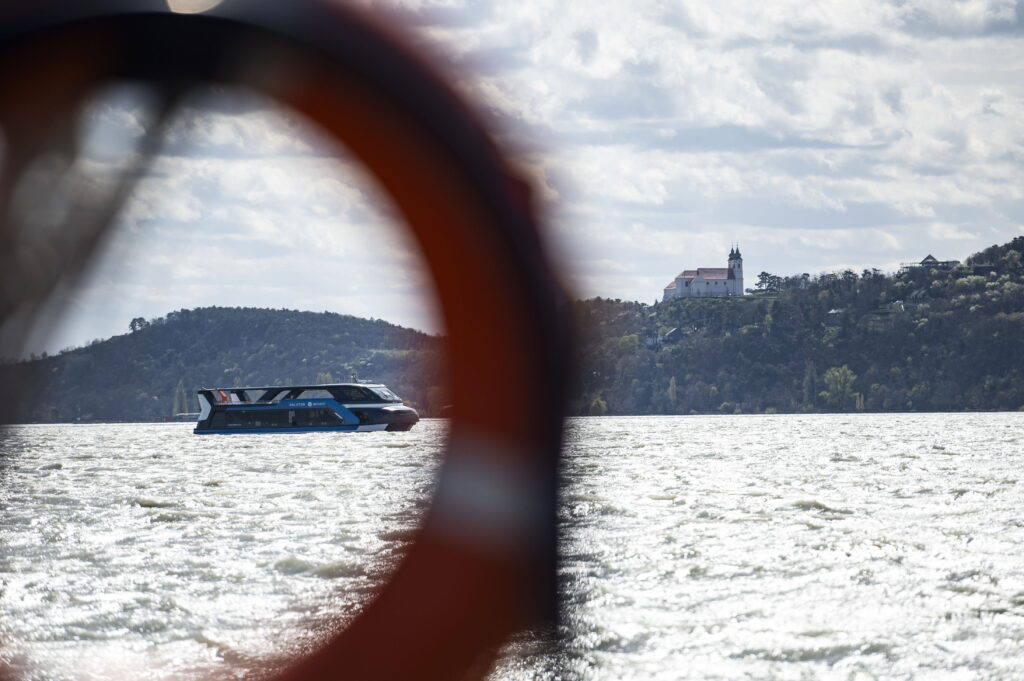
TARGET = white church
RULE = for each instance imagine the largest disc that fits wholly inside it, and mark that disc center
(709, 282)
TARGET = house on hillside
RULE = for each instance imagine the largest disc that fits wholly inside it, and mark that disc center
(709, 282)
(929, 263)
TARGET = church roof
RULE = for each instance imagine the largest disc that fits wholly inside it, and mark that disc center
(707, 273)
(714, 272)
(671, 284)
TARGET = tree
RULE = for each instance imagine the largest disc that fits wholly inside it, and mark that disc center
(137, 324)
(771, 283)
(436, 400)
(180, 400)
(810, 383)
(839, 381)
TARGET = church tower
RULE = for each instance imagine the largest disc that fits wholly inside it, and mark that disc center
(736, 271)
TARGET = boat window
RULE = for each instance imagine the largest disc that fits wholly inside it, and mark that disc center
(385, 394)
(352, 393)
(251, 418)
(270, 418)
(316, 394)
(313, 418)
(242, 419)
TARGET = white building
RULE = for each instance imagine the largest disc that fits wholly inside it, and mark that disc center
(709, 282)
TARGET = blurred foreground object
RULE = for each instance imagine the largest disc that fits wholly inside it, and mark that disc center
(483, 564)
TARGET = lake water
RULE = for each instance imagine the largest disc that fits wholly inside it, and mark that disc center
(767, 547)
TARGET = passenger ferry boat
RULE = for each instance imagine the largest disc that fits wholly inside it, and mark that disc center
(303, 409)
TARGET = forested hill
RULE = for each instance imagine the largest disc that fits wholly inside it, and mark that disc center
(926, 339)
(153, 372)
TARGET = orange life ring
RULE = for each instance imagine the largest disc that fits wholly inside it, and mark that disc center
(483, 564)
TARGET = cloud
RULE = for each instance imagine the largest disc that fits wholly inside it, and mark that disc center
(269, 133)
(848, 134)
(947, 232)
(978, 17)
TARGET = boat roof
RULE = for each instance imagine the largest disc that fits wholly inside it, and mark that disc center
(301, 386)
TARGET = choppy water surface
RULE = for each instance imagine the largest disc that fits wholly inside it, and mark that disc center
(774, 547)
(143, 551)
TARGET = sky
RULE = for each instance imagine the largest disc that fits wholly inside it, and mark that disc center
(818, 136)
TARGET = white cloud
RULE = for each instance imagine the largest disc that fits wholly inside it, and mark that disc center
(818, 135)
(946, 232)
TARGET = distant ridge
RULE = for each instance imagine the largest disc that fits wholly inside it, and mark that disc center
(923, 339)
(152, 372)
(936, 337)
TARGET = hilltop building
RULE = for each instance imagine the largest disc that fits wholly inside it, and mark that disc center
(929, 263)
(709, 282)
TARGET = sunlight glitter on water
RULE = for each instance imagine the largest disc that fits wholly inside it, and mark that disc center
(791, 547)
(785, 547)
(163, 553)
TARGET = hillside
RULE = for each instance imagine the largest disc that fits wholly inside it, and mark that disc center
(925, 339)
(154, 371)
(921, 340)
